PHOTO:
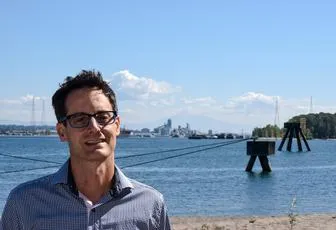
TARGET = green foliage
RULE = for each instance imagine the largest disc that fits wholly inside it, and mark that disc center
(268, 131)
(318, 125)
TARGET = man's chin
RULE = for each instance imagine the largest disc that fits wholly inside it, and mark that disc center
(99, 154)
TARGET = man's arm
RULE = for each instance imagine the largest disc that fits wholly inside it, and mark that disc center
(164, 223)
(10, 219)
(164, 219)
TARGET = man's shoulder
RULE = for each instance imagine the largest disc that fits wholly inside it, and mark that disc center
(144, 188)
(31, 186)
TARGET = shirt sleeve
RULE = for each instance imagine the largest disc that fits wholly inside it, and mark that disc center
(10, 219)
(164, 220)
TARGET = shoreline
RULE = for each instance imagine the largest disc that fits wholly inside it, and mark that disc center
(295, 221)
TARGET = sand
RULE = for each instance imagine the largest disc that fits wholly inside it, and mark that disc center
(309, 222)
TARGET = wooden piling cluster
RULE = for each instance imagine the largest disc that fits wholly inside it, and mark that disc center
(293, 128)
(264, 148)
(260, 149)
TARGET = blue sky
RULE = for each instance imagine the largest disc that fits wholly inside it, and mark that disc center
(214, 64)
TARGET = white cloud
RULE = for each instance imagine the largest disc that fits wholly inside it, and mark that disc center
(19, 110)
(326, 109)
(128, 110)
(246, 110)
(144, 100)
(29, 97)
(202, 101)
(162, 102)
(22, 100)
(253, 97)
(10, 102)
(249, 109)
(132, 87)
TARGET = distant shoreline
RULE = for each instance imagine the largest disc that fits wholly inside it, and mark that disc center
(51, 135)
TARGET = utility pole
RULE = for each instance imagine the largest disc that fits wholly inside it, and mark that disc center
(43, 119)
(276, 118)
(311, 105)
(32, 122)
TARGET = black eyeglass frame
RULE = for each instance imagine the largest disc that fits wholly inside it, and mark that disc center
(68, 118)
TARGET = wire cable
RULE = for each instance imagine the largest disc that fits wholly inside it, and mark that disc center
(30, 169)
(31, 159)
(214, 145)
(174, 150)
(183, 154)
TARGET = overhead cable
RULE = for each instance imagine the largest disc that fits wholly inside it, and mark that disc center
(184, 154)
(29, 169)
(176, 149)
(27, 158)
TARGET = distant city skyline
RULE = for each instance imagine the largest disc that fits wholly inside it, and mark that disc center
(196, 118)
(214, 64)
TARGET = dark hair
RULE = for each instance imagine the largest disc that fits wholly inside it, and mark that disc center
(85, 79)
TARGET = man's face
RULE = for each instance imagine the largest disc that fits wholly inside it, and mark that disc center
(95, 142)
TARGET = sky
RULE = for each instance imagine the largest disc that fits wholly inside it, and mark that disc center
(219, 65)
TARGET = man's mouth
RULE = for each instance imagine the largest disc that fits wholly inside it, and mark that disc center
(93, 142)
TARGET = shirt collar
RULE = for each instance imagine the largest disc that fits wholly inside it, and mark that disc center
(121, 182)
(61, 176)
(65, 176)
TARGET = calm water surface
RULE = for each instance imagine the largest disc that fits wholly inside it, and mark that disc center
(211, 182)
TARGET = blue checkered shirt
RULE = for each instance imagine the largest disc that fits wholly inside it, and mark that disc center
(53, 202)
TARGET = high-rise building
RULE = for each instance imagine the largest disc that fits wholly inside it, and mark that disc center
(210, 132)
(169, 123)
(165, 129)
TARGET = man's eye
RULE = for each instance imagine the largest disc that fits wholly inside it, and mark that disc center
(79, 119)
(103, 117)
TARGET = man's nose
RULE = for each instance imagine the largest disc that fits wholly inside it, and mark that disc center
(93, 124)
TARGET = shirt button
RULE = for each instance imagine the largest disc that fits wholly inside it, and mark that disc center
(93, 210)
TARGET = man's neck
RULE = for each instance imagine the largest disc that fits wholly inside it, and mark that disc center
(93, 179)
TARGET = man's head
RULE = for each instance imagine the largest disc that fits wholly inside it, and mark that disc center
(86, 111)
(85, 79)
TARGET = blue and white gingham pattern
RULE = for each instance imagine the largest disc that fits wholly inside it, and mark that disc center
(51, 203)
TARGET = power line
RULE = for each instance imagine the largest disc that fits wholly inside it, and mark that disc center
(214, 145)
(183, 154)
(170, 150)
(30, 169)
(31, 159)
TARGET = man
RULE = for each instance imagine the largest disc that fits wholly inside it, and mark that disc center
(89, 191)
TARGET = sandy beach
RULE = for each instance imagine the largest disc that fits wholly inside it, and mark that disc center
(310, 222)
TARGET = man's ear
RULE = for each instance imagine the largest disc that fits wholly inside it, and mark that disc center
(117, 123)
(61, 132)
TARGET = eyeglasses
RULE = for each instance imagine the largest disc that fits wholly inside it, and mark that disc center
(82, 120)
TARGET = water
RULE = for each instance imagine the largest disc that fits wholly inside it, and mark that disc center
(211, 183)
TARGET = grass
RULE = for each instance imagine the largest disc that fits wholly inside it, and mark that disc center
(292, 215)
